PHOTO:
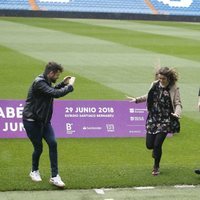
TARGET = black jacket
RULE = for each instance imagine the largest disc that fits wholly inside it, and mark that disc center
(174, 121)
(39, 102)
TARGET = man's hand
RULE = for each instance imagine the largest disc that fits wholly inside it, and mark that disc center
(66, 80)
(131, 99)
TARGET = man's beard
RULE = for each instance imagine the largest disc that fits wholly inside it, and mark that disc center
(53, 80)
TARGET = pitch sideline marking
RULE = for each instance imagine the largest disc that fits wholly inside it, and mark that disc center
(99, 191)
(102, 191)
(184, 186)
(144, 188)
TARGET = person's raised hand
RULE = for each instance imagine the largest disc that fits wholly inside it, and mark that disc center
(131, 99)
(66, 80)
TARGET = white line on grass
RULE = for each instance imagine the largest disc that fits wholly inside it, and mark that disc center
(99, 191)
(184, 186)
(102, 191)
(144, 188)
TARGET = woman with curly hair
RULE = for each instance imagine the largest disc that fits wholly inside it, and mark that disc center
(164, 110)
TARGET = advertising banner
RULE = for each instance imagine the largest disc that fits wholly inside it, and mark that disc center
(80, 119)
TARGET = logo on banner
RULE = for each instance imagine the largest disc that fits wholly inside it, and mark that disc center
(69, 128)
(137, 119)
(92, 128)
(110, 127)
(137, 114)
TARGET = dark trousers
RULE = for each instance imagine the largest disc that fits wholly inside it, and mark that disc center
(155, 141)
(36, 131)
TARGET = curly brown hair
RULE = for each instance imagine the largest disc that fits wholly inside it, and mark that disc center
(170, 73)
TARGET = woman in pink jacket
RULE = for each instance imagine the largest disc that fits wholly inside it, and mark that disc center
(164, 110)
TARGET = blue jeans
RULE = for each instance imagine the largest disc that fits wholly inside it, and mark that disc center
(36, 131)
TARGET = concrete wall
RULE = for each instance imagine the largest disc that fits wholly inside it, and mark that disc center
(90, 15)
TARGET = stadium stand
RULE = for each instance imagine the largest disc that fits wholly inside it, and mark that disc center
(166, 7)
(112, 6)
(180, 7)
(15, 4)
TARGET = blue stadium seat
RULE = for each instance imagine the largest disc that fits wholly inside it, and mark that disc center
(122, 6)
(15, 5)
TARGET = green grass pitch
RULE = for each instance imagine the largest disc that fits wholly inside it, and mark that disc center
(111, 59)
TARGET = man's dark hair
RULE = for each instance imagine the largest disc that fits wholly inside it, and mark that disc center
(52, 67)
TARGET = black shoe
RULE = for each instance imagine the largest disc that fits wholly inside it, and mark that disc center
(197, 171)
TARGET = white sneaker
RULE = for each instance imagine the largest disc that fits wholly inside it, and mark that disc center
(35, 176)
(57, 181)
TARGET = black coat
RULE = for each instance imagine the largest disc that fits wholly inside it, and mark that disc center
(175, 124)
(39, 102)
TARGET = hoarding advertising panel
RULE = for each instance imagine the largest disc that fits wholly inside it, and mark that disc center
(80, 119)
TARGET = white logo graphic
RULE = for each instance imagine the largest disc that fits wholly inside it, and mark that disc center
(110, 127)
(69, 129)
(137, 110)
(92, 128)
(131, 110)
(175, 3)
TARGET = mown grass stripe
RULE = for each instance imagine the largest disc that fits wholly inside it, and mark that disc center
(187, 25)
(18, 70)
(183, 48)
(115, 66)
(107, 162)
(178, 32)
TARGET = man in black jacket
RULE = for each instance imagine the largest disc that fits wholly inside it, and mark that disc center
(37, 115)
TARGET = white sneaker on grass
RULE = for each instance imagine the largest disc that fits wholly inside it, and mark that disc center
(57, 181)
(35, 176)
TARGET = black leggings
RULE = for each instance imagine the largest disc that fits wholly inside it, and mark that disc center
(155, 141)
